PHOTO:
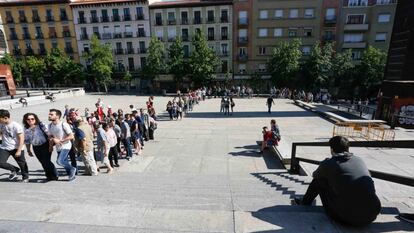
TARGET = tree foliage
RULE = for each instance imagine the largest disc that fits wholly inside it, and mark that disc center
(371, 69)
(155, 60)
(203, 61)
(177, 65)
(62, 69)
(317, 67)
(16, 66)
(285, 62)
(101, 61)
(36, 68)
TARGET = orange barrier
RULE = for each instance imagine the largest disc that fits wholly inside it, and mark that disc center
(368, 131)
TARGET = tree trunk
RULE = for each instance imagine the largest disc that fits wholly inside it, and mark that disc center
(106, 88)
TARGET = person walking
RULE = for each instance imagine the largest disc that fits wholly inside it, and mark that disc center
(84, 145)
(36, 136)
(222, 104)
(227, 107)
(103, 146)
(12, 144)
(170, 109)
(269, 104)
(232, 104)
(60, 136)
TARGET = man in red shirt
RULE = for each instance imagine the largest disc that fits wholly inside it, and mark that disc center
(268, 139)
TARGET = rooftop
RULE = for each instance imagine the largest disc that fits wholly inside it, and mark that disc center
(182, 3)
(30, 2)
(86, 2)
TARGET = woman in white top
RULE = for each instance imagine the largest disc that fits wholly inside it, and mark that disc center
(36, 136)
(112, 141)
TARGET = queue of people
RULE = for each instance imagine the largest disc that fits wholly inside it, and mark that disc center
(73, 136)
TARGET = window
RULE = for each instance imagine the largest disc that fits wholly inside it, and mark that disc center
(384, 18)
(210, 33)
(309, 13)
(186, 49)
(262, 50)
(242, 17)
(278, 32)
(306, 50)
(353, 38)
(242, 68)
(140, 13)
(293, 13)
(357, 2)
(307, 32)
(242, 51)
(143, 62)
(262, 32)
(184, 17)
(224, 66)
(330, 14)
(263, 14)
(63, 15)
(210, 16)
(278, 13)
(293, 32)
(197, 17)
(117, 32)
(262, 68)
(159, 34)
(355, 19)
(171, 18)
(242, 32)
(184, 34)
(95, 31)
(380, 37)
(35, 14)
(131, 63)
(224, 49)
(224, 33)
(115, 15)
(356, 55)
(171, 34)
(39, 33)
(384, 2)
(224, 16)
(105, 17)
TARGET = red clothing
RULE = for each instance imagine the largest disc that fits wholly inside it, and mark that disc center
(267, 136)
(100, 113)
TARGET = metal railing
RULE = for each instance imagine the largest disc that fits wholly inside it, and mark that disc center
(401, 144)
(361, 109)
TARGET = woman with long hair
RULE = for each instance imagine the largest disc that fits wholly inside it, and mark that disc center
(36, 135)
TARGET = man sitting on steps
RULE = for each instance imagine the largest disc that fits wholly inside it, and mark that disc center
(345, 187)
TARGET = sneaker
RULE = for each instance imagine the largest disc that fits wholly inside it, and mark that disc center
(72, 175)
(26, 180)
(407, 217)
(116, 165)
(297, 201)
(13, 175)
(71, 178)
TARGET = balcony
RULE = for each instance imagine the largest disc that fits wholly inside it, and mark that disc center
(36, 19)
(160, 39)
(64, 17)
(140, 33)
(29, 51)
(26, 36)
(197, 21)
(42, 51)
(39, 35)
(116, 18)
(9, 20)
(139, 17)
(224, 54)
(119, 51)
(172, 22)
(158, 22)
(97, 34)
(171, 39)
(84, 37)
(243, 21)
(129, 51)
(17, 52)
(329, 38)
(81, 20)
(69, 50)
(184, 21)
(224, 19)
(66, 34)
(52, 35)
(211, 20)
(22, 19)
(224, 37)
(13, 37)
(142, 50)
(50, 18)
(242, 39)
(330, 20)
(128, 34)
(106, 36)
(104, 19)
(356, 27)
(354, 45)
(386, 2)
(242, 57)
(117, 35)
(126, 18)
(94, 19)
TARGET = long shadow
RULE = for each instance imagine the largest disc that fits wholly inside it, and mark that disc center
(251, 114)
(270, 159)
(284, 217)
(273, 184)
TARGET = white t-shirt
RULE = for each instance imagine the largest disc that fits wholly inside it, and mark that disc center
(9, 135)
(61, 131)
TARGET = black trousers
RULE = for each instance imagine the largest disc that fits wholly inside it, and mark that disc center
(72, 155)
(44, 156)
(21, 161)
(118, 144)
(113, 156)
(151, 133)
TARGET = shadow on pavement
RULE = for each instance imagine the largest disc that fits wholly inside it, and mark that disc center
(271, 160)
(251, 114)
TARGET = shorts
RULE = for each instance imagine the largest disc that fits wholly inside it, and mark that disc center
(270, 143)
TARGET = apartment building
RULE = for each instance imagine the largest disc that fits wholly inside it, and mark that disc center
(34, 27)
(330, 17)
(243, 38)
(171, 19)
(3, 42)
(279, 20)
(366, 23)
(124, 24)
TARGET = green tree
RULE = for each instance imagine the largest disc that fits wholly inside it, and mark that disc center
(36, 68)
(370, 72)
(177, 65)
(62, 69)
(101, 61)
(203, 61)
(318, 66)
(255, 81)
(342, 72)
(284, 63)
(15, 65)
(155, 64)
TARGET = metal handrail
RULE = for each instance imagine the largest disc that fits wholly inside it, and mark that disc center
(405, 144)
(359, 108)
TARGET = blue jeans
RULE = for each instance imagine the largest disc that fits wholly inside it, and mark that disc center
(63, 160)
(127, 145)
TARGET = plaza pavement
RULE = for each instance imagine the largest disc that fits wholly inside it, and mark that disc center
(201, 174)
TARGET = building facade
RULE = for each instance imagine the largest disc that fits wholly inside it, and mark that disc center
(35, 27)
(124, 24)
(171, 19)
(3, 42)
(330, 17)
(366, 23)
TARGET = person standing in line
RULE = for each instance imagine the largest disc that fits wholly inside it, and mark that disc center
(60, 136)
(103, 146)
(84, 145)
(12, 144)
(126, 136)
(232, 104)
(36, 136)
(269, 104)
(222, 104)
(227, 107)
(118, 132)
(170, 109)
(112, 141)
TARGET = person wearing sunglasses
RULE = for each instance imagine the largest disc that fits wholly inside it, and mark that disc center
(36, 136)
